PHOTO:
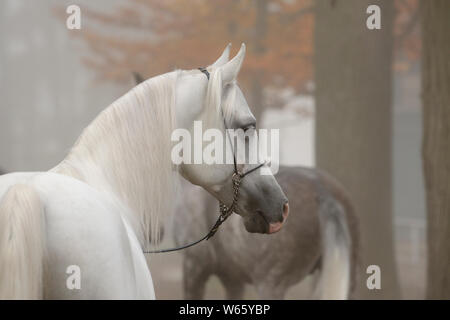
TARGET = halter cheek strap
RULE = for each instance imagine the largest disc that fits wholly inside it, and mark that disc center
(225, 211)
(206, 72)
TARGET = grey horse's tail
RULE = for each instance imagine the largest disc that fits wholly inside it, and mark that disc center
(334, 278)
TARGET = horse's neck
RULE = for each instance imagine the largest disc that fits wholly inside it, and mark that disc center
(126, 151)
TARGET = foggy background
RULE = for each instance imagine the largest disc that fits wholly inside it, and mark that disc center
(48, 95)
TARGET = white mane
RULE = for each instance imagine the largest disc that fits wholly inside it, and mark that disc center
(126, 151)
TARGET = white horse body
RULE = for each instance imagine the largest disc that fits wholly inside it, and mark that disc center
(98, 205)
(89, 229)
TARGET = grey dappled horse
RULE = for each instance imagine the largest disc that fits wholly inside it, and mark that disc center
(320, 235)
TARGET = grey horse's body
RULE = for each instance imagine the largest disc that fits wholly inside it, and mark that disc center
(321, 235)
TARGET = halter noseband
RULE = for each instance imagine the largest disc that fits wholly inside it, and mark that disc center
(225, 211)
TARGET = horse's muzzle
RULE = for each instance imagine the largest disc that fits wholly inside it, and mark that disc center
(275, 227)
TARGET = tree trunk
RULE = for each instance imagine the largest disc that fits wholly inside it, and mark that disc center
(436, 141)
(353, 124)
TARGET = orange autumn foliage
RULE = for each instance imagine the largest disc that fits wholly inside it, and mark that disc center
(153, 37)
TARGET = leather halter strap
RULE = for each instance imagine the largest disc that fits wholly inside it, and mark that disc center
(225, 211)
(206, 72)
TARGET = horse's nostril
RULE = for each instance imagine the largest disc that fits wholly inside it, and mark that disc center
(276, 226)
(285, 211)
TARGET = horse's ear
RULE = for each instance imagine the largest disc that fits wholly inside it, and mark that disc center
(223, 58)
(231, 69)
(138, 78)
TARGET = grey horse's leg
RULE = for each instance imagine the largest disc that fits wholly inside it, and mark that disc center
(234, 290)
(194, 279)
(271, 292)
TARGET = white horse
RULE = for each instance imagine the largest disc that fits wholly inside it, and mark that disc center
(96, 211)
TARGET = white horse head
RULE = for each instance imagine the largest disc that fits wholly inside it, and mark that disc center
(216, 100)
